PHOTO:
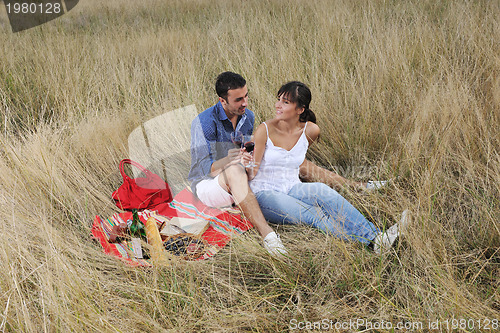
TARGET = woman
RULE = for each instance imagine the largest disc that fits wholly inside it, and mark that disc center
(280, 148)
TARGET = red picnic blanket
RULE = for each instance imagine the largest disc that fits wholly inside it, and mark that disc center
(223, 225)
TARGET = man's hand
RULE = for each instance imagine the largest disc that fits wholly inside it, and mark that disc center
(233, 153)
(234, 156)
(241, 156)
(218, 166)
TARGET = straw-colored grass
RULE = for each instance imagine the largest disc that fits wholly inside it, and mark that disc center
(407, 89)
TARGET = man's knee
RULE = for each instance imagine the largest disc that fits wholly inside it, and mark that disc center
(235, 173)
(234, 180)
(233, 176)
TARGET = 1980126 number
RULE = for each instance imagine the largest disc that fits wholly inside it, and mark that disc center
(34, 8)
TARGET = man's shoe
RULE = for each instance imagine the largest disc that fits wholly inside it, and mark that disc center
(273, 245)
(384, 240)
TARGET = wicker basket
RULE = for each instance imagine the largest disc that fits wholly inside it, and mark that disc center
(186, 246)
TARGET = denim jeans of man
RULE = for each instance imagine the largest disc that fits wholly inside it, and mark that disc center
(320, 206)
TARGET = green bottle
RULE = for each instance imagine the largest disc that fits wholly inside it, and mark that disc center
(137, 232)
(137, 228)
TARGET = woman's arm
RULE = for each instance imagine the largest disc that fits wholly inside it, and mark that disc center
(260, 137)
(310, 172)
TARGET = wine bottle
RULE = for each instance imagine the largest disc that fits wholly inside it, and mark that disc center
(137, 233)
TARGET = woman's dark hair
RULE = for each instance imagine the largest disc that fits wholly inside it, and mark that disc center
(298, 92)
(227, 81)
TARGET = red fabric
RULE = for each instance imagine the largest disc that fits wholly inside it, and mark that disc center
(110, 248)
(142, 192)
(212, 235)
(224, 225)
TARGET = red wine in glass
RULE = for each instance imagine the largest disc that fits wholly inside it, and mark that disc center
(237, 138)
(249, 146)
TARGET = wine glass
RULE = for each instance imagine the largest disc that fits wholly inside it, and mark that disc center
(237, 138)
(249, 145)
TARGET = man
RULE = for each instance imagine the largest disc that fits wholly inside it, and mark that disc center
(217, 172)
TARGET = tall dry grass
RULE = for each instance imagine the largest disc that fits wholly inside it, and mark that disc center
(407, 89)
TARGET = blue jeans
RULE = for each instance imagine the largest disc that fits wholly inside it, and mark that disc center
(320, 206)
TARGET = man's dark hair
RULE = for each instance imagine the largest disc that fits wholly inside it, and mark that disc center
(227, 81)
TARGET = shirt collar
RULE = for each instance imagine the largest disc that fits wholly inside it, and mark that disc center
(221, 114)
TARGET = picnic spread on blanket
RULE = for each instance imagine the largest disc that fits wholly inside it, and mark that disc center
(182, 221)
(185, 214)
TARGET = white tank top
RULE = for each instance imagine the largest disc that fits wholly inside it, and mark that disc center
(279, 168)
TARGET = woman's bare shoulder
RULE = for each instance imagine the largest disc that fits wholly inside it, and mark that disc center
(312, 131)
(271, 125)
(260, 129)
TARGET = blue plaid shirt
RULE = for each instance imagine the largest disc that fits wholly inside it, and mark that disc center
(211, 139)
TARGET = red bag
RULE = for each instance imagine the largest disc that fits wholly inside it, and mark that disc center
(142, 192)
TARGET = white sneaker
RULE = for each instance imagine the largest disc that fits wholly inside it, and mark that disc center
(384, 240)
(373, 185)
(273, 245)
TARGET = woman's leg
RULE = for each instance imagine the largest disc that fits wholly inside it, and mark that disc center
(343, 219)
(280, 208)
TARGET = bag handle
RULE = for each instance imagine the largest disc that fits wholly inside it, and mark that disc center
(133, 163)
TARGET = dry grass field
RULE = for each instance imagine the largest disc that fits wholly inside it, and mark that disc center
(407, 89)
